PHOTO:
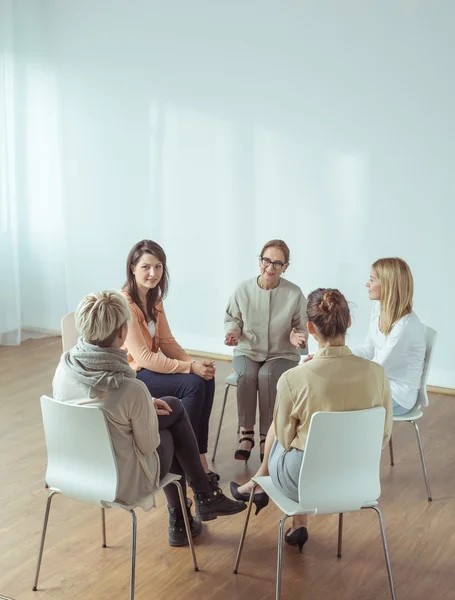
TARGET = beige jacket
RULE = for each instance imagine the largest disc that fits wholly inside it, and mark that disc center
(133, 426)
(264, 319)
(335, 380)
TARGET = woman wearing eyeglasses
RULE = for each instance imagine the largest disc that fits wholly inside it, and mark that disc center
(265, 321)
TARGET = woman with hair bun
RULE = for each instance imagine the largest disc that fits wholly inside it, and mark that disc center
(395, 338)
(335, 380)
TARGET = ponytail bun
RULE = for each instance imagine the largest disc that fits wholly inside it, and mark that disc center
(331, 301)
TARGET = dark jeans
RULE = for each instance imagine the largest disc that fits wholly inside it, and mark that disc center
(195, 393)
(179, 453)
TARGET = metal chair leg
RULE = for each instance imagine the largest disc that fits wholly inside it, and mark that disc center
(43, 537)
(133, 554)
(340, 534)
(103, 526)
(392, 461)
(221, 421)
(187, 523)
(242, 537)
(422, 459)
(386, 551)
(280, 555)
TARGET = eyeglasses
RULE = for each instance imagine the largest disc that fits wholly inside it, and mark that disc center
(277, 264)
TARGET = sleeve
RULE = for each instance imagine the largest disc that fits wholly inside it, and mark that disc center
(367, 348)
(144, 356)
(233, 316)
(168, 345)
(144, 422)
(387, 403)
(285, 422)
(299, 318)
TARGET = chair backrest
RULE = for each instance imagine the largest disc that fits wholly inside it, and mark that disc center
(69, 333)
(80, 458)
(340, 467)
(430, 340)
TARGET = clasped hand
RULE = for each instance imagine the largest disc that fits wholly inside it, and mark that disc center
(297, 339)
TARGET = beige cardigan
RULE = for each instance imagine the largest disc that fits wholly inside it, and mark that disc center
(264, 319)
(335, 380)
(133, 427)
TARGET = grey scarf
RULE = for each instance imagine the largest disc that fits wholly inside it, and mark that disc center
(103, 369)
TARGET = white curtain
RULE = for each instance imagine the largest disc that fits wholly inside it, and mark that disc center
(10, 299)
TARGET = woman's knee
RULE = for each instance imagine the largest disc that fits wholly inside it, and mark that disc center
(195, 384)
(174, 404)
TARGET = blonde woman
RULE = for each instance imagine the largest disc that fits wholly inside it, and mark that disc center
(265, 321)
(150, 437)
(395, 337)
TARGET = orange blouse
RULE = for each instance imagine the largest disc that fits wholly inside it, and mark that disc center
(143, 350)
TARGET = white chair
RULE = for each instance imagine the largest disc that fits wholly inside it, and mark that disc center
(81, 465)
(422, 402)
(339, 473)
(69, 333)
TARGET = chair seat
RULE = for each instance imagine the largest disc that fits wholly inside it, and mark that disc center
(414, 414)
(291, 508)
(163, 483)
(232, 379)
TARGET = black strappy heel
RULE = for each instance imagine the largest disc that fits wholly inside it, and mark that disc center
(260, 499)
(245, 454)
(299, 537)
(261, 454)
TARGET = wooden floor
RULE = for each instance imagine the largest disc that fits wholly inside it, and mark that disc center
(421, 535)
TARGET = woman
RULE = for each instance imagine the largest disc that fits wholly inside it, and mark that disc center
(150, 437)
(335, 380)
(171, 372)
(265, 321)
(396, 338)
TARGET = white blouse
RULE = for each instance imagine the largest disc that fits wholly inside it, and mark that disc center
(152, 328)
(401, 353)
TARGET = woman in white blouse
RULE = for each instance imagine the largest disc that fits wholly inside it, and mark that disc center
(395, 337)
(266, 322)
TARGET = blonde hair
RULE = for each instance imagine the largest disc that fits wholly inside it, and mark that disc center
(99, 317)
(397, 290)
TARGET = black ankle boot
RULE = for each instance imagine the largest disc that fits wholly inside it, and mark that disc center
(177, 531)
(216, 504)
(213, 481)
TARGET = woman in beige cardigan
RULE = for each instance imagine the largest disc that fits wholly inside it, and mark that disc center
(150, 437)
(265, 322)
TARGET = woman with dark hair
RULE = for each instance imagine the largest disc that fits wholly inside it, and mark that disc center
(160, 362)
(265, 321)
(335, 380)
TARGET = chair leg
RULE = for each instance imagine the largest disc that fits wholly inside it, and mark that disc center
(422, 459)
(280, 556)
(133, 554)
(103, 526)
(386, 551)
(340, 534)
(245, 527)
(43, 537)
(392, 461)
(226, 391)
(187, 523)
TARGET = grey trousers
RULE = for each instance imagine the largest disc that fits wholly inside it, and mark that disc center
(258, 379)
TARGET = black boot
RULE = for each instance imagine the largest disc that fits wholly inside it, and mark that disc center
(213, 480)
(216, 504)
(177, 531)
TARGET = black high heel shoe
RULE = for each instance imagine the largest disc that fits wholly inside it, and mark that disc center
(299, 537)
(260, 499)
(261, 454)
(245, 454)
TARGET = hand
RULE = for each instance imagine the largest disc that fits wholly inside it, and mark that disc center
(204, 368)
(161, 407)
(297, 339)
(307, 358)
(231, 339)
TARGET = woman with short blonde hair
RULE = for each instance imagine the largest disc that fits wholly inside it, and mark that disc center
(150, 437)
(396, 338)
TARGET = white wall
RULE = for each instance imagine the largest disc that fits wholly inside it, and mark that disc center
(212, 127)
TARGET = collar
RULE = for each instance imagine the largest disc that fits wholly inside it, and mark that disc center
(333, 351)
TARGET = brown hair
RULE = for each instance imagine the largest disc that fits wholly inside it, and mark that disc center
(155, 294)
(397, 289)
(328, 310)
(278, 244)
